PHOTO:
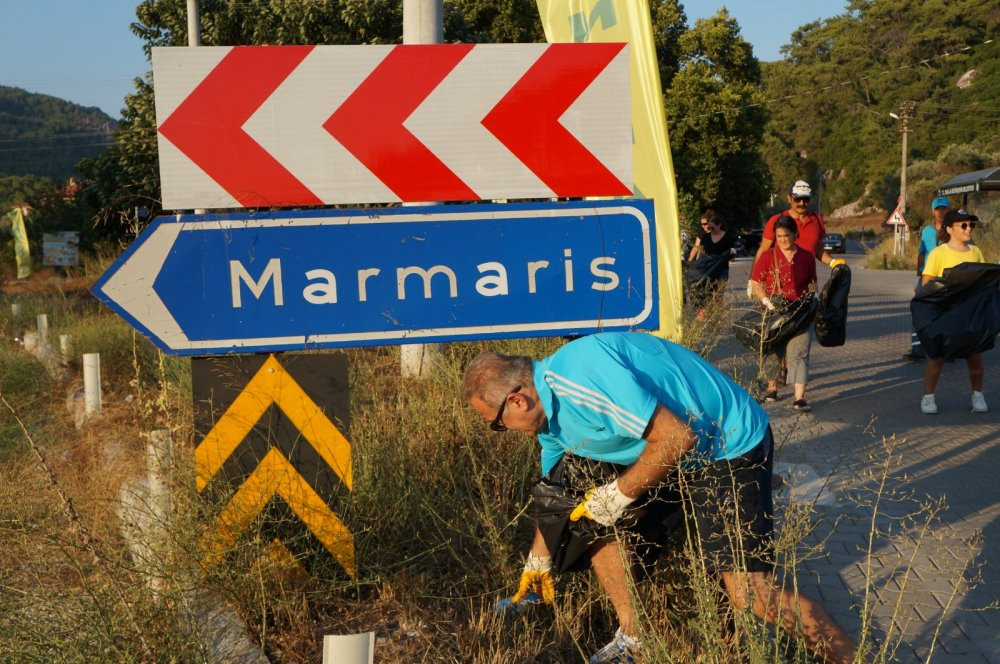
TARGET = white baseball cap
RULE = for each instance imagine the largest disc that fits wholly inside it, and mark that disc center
(801, 189)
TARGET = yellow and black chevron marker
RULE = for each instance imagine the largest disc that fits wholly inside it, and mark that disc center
(288, 461)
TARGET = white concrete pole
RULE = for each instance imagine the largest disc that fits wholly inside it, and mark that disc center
(15, 310)
(194, 23)
(159, 461)
(423, 23)
(91, 383)
(42, 322)
(159, 465)
(65, 347)
(349, 648)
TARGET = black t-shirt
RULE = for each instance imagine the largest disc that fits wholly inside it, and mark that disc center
(719, 248)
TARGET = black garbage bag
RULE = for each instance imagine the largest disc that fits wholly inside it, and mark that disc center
(704, 277)
(958, 315)
(764, 331)
(831, 310)
(555, 496)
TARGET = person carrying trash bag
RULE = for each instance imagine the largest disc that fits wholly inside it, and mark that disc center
(708, 263)
(624, 419)
(788, 271)
(954, 248)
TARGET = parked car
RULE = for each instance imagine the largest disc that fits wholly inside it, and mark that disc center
(748, 243)
(834, 243)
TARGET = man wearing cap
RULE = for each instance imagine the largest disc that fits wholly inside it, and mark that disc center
(812, 230)
(928, 240)
(811, 226)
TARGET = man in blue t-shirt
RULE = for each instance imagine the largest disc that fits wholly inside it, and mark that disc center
(928, 240)
(628, 423)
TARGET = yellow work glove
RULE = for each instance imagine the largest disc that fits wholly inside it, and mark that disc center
(604, 505)
(837, 261)
(536, 578)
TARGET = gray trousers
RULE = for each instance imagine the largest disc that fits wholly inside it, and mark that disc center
(796, 354)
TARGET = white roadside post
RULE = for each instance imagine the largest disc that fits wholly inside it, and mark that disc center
(65, 348)
(349, 648)
(42, 323)
(91, 383)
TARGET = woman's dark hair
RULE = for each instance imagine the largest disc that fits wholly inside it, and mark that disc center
(714, 217)
(943, 236)
(787, 223)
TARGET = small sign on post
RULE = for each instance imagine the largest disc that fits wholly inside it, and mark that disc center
(899, 227)
(61, 249)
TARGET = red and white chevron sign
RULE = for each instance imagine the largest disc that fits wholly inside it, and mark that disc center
(255, 126)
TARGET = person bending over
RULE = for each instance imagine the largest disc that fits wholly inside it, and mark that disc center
(641, 415)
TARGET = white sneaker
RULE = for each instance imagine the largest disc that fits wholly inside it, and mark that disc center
(623, 649)
(927, 405)
(979, 403)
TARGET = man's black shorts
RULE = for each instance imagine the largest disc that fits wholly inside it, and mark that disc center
(733, 512)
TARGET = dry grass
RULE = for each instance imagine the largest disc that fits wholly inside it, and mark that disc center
(438, 514)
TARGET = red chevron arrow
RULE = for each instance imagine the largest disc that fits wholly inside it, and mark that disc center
(370, 123)
(207, 126)
(526, 120)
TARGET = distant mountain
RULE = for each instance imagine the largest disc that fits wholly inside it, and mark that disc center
(47, 136)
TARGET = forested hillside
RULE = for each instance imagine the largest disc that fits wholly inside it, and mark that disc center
(46, 136)
(840, 79)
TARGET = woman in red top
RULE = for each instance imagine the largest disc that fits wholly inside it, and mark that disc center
(790, 271)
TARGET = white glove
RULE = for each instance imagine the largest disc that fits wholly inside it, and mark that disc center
(605, 505)
(767, 303)
(749, 289)
(536, 578)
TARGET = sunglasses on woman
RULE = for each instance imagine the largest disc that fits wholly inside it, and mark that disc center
(967, 225)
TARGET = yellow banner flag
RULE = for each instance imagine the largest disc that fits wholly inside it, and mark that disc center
(652, 168)
(21, 252)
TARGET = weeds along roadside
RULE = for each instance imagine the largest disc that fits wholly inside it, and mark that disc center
(438, 515)
(882, 255)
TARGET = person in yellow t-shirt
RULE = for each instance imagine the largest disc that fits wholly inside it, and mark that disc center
(955, 246)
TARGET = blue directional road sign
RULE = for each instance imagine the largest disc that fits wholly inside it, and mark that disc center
(254, 282)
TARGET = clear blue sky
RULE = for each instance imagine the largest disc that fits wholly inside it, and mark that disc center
(84, 51)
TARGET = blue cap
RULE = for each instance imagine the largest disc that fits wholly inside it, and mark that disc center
(940, 201)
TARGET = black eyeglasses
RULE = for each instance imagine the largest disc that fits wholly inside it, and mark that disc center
(971, 225)
(497, 423)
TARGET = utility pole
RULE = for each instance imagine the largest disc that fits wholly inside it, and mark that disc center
(905, 113)
(194, 39)
(423, 23)
(194, 23)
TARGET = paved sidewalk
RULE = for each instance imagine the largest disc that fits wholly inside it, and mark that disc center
(862, 394)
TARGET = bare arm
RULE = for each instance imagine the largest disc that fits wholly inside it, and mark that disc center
(668, 437)
(758, 290)
(538, 546)
(694, 250)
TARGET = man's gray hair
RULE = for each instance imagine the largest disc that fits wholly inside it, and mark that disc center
(491, 376)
